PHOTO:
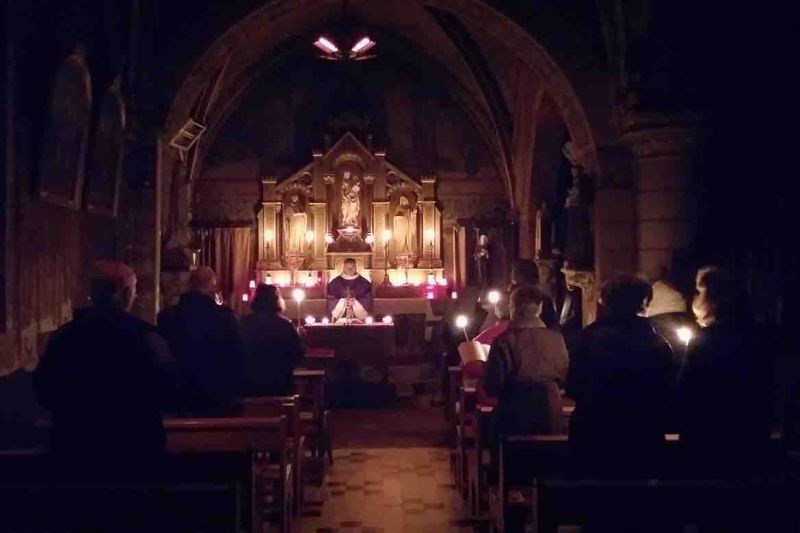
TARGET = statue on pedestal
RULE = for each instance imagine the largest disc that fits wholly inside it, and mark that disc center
(482, 260)
(578, 250)
(405, 227)
(297, 222)
(350, 199)
(544, 232)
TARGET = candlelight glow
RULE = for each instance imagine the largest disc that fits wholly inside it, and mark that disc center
(298, 295)
(429, 295)
(325, 321)
(685, 334)
(245, 297)
(369, 320)
(309, 236)
(454, 295)
(493, 297)
(252, 284)
(462, 321)
(430, 234)
(387, 235)
(269, 235)
(310, 320)
(387, 319)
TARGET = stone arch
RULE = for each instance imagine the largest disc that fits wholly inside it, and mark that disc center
(107, 154)
(63, 156)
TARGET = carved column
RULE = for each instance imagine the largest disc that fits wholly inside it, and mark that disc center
(329, 180)
(369, 197)
(269, 226)
(319, 216)
(379, 210)
(585, 280)
(664, 191)
(431, 220)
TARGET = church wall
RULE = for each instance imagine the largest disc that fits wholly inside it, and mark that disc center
(48, 248)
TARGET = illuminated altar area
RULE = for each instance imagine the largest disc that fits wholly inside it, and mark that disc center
(350, 202)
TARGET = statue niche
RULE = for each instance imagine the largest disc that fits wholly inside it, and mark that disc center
(296, 223)
(404, 225)
(349, 174)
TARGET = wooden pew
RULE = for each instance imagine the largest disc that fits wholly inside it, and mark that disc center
(205, 457)
(465, 435)
(288, 406)
(310, 385)
(261, 438)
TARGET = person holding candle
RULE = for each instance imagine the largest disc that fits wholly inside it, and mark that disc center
(724, 388)
(272, 345)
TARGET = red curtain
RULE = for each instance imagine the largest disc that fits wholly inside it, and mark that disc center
(229, 251)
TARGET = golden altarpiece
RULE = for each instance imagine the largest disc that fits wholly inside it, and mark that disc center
(349, 202)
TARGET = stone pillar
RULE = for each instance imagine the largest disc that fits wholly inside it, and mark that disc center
(664, 188)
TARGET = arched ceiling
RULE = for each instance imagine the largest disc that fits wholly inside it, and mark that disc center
(457, 38)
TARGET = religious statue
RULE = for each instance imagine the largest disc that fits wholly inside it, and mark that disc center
(349, 295)
(544, 238)
(405, 227)
(482, 260)
(297, 222)
(578, 246)
(350, 199)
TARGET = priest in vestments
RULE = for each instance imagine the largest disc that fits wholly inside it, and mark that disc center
(349, 294)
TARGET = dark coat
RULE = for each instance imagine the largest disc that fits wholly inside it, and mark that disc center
(524, 370)
(208, 348)
(622, 377)
(272, 350)
(724, 392)
(100, 379)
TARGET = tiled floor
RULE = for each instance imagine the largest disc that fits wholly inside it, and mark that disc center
(387, 490)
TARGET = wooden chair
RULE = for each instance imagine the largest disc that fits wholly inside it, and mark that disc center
(288, 406)
(262, 438)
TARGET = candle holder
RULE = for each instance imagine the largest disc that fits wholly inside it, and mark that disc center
(387, 236)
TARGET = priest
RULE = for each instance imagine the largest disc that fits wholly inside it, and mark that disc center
(349, 294)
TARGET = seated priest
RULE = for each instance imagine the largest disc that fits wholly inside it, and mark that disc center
(349, 295)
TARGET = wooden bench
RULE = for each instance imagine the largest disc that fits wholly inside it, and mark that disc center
(264, 439)
(288, 406)
(205, 458)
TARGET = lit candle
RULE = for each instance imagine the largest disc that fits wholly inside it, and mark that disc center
(454, 295)
(325, 321)
(309, 236)
(310, 320)
(461, 322)
(387, 319)
(429, 295)
(685, 335)
(494, 297)
(369, 320)
(252, 284)
(245, 297)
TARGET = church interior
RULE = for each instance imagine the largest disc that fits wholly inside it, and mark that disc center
(290, 265)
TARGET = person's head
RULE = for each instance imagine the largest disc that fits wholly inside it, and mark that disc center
(625, 296)
(112, 285)
(268, 299)
(204, 281)
(718, 296)
(349, 267)
(526, 303)
(524, 272)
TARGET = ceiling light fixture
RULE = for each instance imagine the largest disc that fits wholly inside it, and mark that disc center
(364, 44)
(357, 52)
(326, 45)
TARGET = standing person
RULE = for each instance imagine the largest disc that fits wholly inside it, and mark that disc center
(526, 366)
(724, 386)
(207, 345)
(100, 380)
(525, 272)
(272, 346)
(621, 378)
